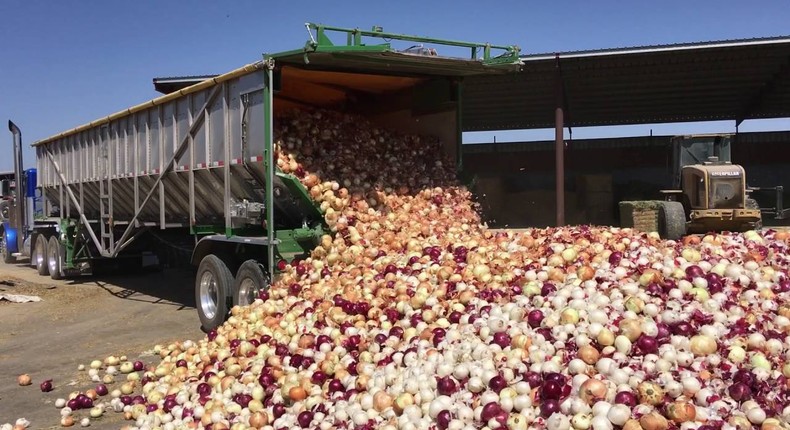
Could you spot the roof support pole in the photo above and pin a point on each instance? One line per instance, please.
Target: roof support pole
(559, 145)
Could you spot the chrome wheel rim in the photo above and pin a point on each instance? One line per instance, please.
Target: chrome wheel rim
(39, 257)
(53, 260)
(208, 295)
(247, 292)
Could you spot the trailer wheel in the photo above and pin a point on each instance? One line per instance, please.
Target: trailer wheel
(39, 257)
(55, 253)
(250, 279)
(671, 220)
(213, 284)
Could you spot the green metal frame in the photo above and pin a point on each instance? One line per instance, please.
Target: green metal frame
(269, 165)
(355, 43)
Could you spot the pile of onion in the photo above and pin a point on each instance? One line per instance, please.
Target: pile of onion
(413, 315)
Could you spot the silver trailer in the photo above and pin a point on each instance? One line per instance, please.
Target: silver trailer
(196, 166)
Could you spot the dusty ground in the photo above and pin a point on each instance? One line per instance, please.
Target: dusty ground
(78, 321)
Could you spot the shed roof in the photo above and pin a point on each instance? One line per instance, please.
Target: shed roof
(722, 80)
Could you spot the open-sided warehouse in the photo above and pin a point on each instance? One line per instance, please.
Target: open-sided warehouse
(731, 80)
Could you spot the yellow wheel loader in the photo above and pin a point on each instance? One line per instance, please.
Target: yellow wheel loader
(709, 192)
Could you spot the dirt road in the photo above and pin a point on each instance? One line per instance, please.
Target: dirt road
(80, 320)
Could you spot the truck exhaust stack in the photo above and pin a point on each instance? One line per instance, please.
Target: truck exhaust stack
(19, 201)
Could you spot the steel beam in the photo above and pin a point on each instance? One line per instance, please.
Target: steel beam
(559, 145)
(72, 197)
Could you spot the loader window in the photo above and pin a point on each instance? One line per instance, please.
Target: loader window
(725, 193)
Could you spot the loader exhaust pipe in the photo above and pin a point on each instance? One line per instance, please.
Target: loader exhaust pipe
(19, 198)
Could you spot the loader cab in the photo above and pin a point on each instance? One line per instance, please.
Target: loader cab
(697, 149)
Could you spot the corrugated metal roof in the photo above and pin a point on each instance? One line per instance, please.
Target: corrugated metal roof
(726, 80)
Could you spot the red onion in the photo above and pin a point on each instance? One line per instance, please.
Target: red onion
(446, 386)
(85, 401)
(535, 318)
(502, 339)
(740, 391)
(46, 386)
(551, 390)
(490, 410)
(555, 376)
(101, 390)
(336, 386)
(694, 271)
(626, 397)
(647, 344)
(74, 404)
(126, 400)
(548, 407)
(547, 289)
(615, 258)
(138, 366)
(443, 419)
(497, 383)
(534, 379)
(169, 405)
(682, 328)
(654, 289)
(278, 410)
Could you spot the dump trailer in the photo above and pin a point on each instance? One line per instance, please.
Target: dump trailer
(193, 170)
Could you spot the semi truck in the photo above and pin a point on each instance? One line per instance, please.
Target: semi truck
(195, 169)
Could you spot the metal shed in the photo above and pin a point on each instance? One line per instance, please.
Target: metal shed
(724, 80)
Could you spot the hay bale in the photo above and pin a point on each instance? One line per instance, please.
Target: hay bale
(640, 215)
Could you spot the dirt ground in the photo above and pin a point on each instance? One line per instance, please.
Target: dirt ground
(80, 320)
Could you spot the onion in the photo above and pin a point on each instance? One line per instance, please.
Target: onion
(549, 407)
(24, 380)
(551, 389)
(626, 398)
(490, 410)
(535, 318)
(740, 391)
(46, 386)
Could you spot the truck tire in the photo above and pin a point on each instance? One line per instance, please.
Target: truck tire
(4, 252)
(213, 284)
(250, 279)
(55, 254)
(39, 255)
(671, 221)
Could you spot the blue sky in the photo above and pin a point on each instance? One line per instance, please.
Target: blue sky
(64, 63)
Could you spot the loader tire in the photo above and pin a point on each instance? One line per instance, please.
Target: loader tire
(671, 221)
(752, 204)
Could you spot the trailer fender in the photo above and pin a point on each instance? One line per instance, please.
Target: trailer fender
(227, 249)
(9, 236)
